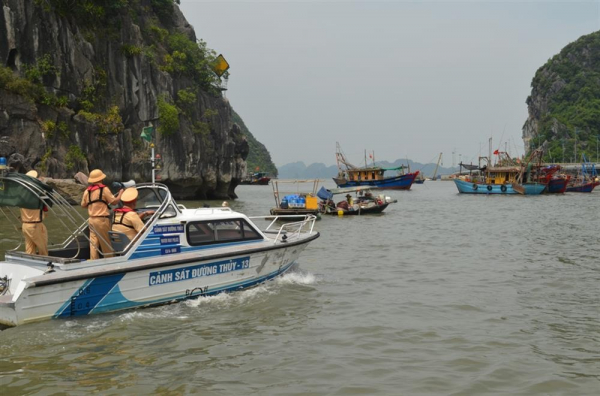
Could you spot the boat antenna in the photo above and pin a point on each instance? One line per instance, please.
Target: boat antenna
(148, 135)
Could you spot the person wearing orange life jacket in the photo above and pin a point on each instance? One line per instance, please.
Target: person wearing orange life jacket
(126, 219)
(34, 230)
(96, 199)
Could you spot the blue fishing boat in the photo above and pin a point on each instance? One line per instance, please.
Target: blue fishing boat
(371, 176)
(469, 187)
(510, 177)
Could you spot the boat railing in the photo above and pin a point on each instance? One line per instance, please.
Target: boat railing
(160, 209)
(71, 219)
(290, 230)
(57, 205)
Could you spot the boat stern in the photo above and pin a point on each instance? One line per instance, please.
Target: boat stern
(12, 283)
(8, 312)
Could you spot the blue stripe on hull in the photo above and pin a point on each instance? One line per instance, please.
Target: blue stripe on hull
(87, 297)
(472, 188)
(400, 182)
(104, 295)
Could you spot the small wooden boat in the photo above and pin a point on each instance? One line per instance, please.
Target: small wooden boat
(295, 203)
(364, 202)
(258, 178)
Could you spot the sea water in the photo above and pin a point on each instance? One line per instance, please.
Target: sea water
(441, 294)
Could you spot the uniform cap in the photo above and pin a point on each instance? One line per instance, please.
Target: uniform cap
(129, 195)
(96, 175)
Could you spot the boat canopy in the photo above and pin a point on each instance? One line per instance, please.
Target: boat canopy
(470, 167)
(23, 191)
(345, 190)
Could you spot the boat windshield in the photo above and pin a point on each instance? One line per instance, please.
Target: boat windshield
(152, 197)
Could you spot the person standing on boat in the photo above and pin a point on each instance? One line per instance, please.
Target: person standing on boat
(126, 219)
(96, 199)
(34, 230)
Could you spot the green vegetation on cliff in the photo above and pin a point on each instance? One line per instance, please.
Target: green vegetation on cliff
(565, 101)
(259, 158)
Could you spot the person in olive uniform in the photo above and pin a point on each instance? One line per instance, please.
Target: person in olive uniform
(126, 219)
(34, 230)
(96, 199)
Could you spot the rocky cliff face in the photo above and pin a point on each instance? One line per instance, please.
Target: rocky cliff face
(80, 79)
(564, 105)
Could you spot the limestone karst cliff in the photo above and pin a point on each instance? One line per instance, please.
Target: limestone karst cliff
(564, 105)
(79, 79)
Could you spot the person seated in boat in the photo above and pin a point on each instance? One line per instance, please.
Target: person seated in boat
(343, 205)
(126, 219)
(349, 199)
(34, 230)
(96, 199)
(327, 205)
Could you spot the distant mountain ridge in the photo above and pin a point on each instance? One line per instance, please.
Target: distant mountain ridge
(318, 170)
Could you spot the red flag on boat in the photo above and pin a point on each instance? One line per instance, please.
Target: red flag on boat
(497, 152)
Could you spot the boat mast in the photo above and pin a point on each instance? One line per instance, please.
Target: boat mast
(341, 159)
(436, 167)
(489, 161)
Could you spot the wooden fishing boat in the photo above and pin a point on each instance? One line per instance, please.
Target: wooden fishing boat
(556, 182)
(586, 178)
(371, 176)
(509, 177)
(180, 254)
(585, 187)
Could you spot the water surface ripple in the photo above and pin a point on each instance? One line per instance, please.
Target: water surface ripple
(443, 294)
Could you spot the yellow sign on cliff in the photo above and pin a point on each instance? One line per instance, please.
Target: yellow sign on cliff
(220, 65)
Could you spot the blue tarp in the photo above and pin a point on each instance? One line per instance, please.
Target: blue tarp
(324, 194)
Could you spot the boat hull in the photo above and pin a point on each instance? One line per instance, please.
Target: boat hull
(586, 188)
(149, 283)
(361, 211)
(263, 181)
(507, 189)
(401, 182)
(557, 186)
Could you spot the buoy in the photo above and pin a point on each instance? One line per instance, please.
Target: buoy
(340, 213)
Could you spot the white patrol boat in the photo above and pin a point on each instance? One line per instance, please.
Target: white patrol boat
(180, 254)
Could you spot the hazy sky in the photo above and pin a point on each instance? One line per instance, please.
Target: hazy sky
(402, 78)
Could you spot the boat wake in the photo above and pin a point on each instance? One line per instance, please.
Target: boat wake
(228, 300)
